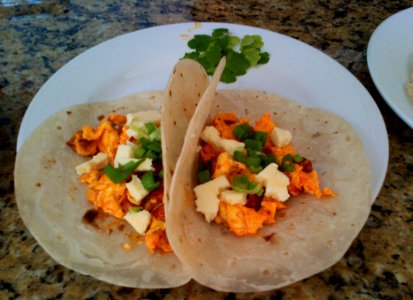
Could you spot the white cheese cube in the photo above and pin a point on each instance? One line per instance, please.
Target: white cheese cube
(275, 182)
(139, 220)
(136, 189)
(146, 166)
(124, 160)
(211, 136)
(123, 151)
(207, 201)
(131, 133)
(280, 137)
(136, 130)
(152, 116)
(233, 197)
(134, 146)
(99, 161)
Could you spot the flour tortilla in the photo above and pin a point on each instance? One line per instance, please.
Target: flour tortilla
(52, 203)
(185, 88)
(313, 234)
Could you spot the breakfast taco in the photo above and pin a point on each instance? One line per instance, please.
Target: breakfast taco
(266, 192)
(89, 184)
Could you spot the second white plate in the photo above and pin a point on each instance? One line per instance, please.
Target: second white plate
(390, 61)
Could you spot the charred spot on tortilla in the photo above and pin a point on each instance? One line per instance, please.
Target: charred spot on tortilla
(68, 112)
(268, 237)
(89, 218)
(100, 117)
(59, 127)
(266, 272)
(170, 92)
(38, 184)
(48, 163)
(181, 74)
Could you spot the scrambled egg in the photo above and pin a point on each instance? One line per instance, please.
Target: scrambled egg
(114, 198)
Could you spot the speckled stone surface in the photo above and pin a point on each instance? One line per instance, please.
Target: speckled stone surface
(38, 37)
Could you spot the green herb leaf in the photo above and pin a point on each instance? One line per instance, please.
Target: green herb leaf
(287, 163)
(241, 183)
(150, 127)
(140, 153)
(220, 32)
(155, 135)
(210, 48)
(253, 144)
(264, 58)
(150, 147)
(297, 158)
(237, 63)
(227, 76)
(191, 55)
(135, 209)
(148, 181)
(251, 41)
(213, 54)
(252, 55)
(261, 136)
(120, 174)
(204, 176)
(270, 158)
(200, 42)
(254, 164)
(240, 156)
(243, 132)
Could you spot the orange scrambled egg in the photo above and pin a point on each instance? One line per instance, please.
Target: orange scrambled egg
(258, 211)
(114, 198)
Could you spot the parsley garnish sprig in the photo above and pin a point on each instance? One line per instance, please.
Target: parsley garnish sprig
(241, 54)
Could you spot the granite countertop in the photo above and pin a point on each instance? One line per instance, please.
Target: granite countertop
(38, 37)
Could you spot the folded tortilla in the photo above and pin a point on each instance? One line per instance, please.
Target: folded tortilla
(52, 201)
(312, 235)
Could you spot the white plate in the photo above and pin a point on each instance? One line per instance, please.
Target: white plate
(390, 61)
(143, 60)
